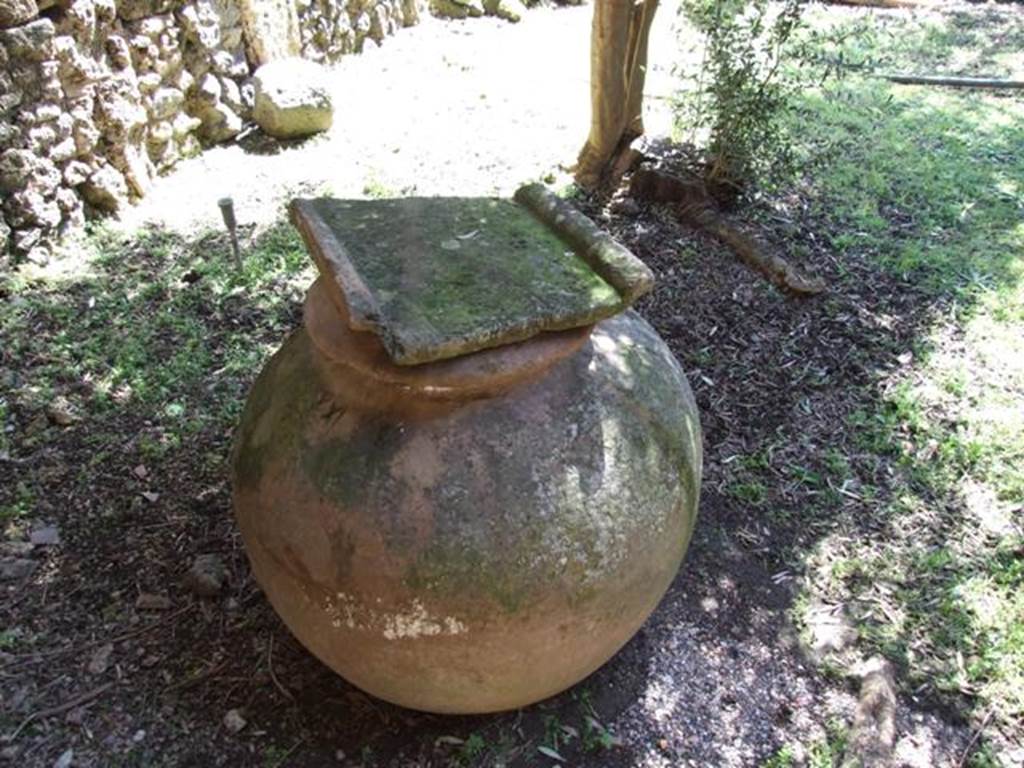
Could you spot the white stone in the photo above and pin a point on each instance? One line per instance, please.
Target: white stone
(234, 721)
(68, 201)
(46, 113)
(148, 83)
(86, 136)
(76, 173)
(185, 124)
(167, 102)
(510, 10)
(231, 94)
(292, 99)
(27, 239)
(209, 89)
(220, 123)
(160, 133)
(63, 151)
(41, 138)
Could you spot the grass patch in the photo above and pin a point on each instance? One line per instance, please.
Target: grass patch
(929, 183)
(150, 322)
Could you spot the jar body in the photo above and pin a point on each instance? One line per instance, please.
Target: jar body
(477, 555)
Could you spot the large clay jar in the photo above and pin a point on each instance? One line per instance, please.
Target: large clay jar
(471, 535)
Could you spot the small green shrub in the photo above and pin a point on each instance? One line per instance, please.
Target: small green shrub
(751, 68)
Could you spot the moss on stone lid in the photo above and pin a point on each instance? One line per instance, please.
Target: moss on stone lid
(435, 278)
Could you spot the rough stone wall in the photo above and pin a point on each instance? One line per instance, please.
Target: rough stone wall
(331, 29)
(99, 96)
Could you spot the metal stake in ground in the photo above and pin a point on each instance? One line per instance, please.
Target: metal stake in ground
(227, 212)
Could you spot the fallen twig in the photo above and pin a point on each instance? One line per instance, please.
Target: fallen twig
(270, 666)
(51, 711)
(974, 740)
(954, 82)
(885, 3)
(697, 208)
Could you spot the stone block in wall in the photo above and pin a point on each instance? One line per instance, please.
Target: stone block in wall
(105, 190)
(456, 9)
(219, 123)
(10, 135)
(160, 133)
(271, 29)
(86, 135)
(45, 113)
(133, 10)
(165, 103)
(136, 167)
(30, 208)
(71, 209)
(200, 24)
(24, 240)
(17, 166)
(118, 54)
(327, 29)
(149, 83)
(10, 95)
(119, 114)
(410, 12)
(106, 13)
(382, 24)
(80, 21)
(41, 138)
(64, 151)
(231, 95)
(360, 30)
(31, 42)
(510, 10)
(229, 65)
(76, 172)
(184, 125)
(229, 18)
(16, 12)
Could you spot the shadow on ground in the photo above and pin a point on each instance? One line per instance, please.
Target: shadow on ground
(150, 345)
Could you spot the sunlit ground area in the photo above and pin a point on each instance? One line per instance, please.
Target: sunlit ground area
(864, 468)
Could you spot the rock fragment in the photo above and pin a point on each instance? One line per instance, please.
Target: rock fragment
(148, 601)
(291, 99)
(45, 536)
(207, 575)
(234, 721)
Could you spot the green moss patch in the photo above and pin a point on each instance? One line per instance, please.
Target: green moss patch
(441, 277)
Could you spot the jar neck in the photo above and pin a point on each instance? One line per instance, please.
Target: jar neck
(356, 364)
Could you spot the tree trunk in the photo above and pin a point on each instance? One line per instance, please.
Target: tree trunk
(618, 63)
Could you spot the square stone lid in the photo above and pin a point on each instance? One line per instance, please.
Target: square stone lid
(435, 278)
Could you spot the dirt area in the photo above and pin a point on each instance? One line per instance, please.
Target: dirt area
(103, 671)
